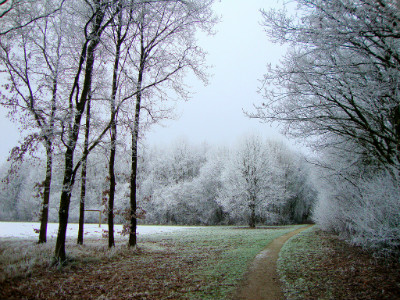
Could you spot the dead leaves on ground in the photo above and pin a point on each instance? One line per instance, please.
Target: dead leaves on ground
(341, 271)
(147, 275)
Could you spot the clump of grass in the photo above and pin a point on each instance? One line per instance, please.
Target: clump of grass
(19, 257)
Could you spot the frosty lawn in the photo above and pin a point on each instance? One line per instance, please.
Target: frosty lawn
(27, 229)
(195, 263)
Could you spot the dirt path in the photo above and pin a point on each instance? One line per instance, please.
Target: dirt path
(262, 281)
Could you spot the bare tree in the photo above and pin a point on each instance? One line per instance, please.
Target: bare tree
(33, 71)
(341, 77)
(165, 50)
(98, 20)
(26, 11)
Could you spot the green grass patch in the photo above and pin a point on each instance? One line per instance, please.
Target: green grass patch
(224, 253)
(299, 267)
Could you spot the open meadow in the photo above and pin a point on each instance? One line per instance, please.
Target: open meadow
(173, 262)
(180, 263)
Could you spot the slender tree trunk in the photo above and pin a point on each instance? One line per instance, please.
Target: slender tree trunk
(133, 179)
(69, 177)
(135, 136)
(113, 128)
(133, 201)
(111, 242)
(83, 176)
(252, 219)
(44, 214)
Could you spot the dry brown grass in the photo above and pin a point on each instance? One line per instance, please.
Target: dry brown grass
(204, 263)
(318, 265)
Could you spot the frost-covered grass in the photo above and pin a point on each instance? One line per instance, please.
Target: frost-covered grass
(29, 229)
(20, 253)
(296, 264)
(19, 257)
(319, 265)
(220, 255)
(225, 253)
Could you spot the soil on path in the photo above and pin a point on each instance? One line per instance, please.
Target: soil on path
(261, 281)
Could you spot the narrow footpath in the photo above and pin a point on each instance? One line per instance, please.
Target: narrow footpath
(261, 281)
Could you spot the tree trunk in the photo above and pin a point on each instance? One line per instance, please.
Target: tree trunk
(111, 242)
(135, 136)
(133, 200)
(252, 219)
(133, 205)
(44, 214)
(83, 176)
(119, 41)
(69, 177)
(60, 254)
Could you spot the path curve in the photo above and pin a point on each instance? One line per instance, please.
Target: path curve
(261, 282)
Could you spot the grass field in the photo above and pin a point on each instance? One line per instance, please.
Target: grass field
(193, 263)
(225, 254)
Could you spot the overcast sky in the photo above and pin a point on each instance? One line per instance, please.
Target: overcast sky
(239, 53)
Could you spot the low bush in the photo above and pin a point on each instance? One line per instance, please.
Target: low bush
(366, 213)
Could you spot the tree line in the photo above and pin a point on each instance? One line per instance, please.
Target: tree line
(255, 181)
(75, 74)
(338, 88)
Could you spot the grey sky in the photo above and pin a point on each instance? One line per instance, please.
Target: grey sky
(9, 135)
(239, 53)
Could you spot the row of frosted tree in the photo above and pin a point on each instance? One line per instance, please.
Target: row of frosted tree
(82, 75)
(338, 87)
(253, 182)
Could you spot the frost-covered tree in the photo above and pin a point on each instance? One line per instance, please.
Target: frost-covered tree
(31, 61)
(247, 182)
(338, 87)
(94, 19)
(207, 186)
(166, 49)
(26, 11)
(266, 181)
(340, 77)
(358, 201)
(190, 197)
(21, 190)
(168, 184)
(11, 187)
(187, 184)
(293, 176)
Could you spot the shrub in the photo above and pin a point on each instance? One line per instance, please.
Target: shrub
(367, 214)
